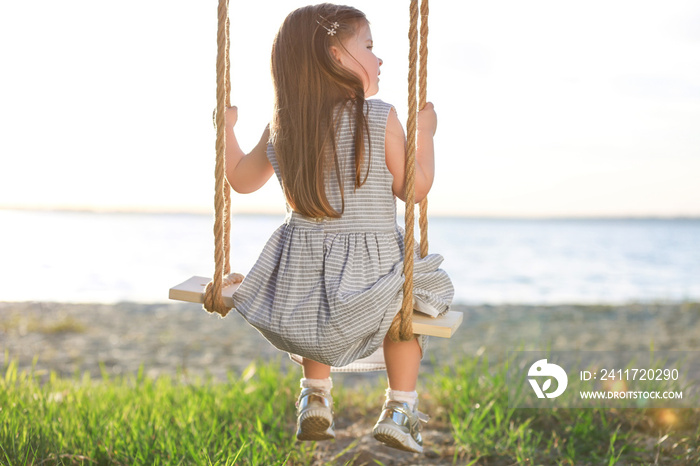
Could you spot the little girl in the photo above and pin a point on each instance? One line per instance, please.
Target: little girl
(329, 281)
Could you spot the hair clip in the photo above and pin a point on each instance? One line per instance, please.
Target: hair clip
(331, 30)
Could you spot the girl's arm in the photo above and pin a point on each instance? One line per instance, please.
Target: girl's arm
(395, 152)
(245, 173)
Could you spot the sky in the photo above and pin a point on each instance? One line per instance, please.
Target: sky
(545, 108)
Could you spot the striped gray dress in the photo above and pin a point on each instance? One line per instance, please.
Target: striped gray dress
(327, 289)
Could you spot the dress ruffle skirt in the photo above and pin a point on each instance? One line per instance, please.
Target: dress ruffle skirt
(331, 296)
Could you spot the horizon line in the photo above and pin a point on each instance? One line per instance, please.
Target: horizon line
(245, 212)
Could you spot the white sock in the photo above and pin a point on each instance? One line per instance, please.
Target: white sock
(319, 384)
(403, 397)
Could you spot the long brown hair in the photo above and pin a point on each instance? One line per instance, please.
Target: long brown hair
(312, 90)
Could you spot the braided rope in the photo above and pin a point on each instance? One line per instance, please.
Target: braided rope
(401, 327)
(422, 98)
(227, 189)
(213, 301)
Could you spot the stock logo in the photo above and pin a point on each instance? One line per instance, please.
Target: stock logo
(542, 368)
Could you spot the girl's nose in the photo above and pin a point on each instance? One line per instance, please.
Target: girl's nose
(381, 62)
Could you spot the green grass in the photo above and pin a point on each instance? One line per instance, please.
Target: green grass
(250, 420)
(474, 400)
(62, 324)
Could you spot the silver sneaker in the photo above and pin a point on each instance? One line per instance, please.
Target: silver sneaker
(399, 427)
(315, 415)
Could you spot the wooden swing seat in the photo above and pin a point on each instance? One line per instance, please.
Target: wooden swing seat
(192, 291)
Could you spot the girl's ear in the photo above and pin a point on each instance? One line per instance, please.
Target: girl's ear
(337, 54)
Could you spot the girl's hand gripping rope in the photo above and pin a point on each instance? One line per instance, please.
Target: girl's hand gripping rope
(427, 119)
(231, 116)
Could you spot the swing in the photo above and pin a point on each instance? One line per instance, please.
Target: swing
(215, 294)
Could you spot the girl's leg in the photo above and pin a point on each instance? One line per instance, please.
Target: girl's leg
(399, 424)
(402, 364)
(315, 404)
(315, 370)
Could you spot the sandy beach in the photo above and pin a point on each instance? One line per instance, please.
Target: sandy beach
(171, 337)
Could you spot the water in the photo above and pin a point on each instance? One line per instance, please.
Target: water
(93, 257)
